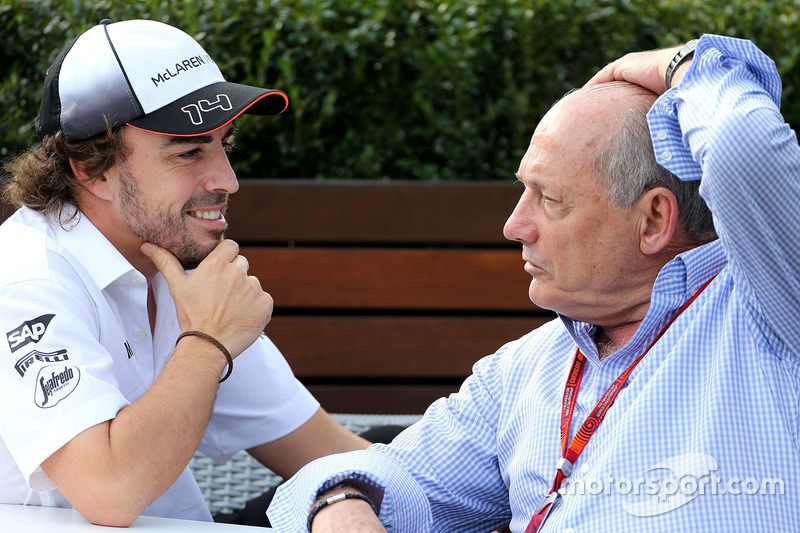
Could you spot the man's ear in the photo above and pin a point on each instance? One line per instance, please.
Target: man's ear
(660, 219)
(96, 185)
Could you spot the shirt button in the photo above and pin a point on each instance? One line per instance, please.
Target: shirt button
(661, 135)
(569, 530)
(142, 334)
(666, 156)
(134, 280)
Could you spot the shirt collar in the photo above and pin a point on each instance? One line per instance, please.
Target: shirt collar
(677, 281)
(104, 263)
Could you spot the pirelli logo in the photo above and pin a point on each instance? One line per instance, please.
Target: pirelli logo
(25, 363)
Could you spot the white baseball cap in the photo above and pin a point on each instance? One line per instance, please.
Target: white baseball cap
(145, 74)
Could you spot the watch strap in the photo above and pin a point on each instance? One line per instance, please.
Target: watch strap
(684, 54)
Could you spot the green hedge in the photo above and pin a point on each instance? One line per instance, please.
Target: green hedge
(412, 89)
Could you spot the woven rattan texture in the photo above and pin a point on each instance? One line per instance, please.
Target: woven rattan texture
(226, 487)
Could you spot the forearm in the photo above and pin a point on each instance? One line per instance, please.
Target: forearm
(394, 492)
(112, 471)
(420, 470)
(321, 435)
(341, 510)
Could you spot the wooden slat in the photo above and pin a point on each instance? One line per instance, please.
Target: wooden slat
(379, 399)
(487, 280)
(399, 347)
(266, 211)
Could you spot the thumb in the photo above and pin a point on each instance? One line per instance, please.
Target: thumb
(165, 262)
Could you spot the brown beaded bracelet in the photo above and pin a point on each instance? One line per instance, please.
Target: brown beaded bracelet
(213, 341)
(337, 498)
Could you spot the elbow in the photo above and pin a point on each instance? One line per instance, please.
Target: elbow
(112, 522)
(110, 511)
(110, 517)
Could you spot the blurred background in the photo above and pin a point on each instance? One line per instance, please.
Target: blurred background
(433, 90)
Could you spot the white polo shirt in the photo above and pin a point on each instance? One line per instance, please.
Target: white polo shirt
(77, 348)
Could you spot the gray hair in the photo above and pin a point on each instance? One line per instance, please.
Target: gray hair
(628, 167)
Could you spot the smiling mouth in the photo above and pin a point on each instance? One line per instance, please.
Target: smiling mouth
(206, 215)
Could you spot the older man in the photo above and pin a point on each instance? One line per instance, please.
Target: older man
(664, 397)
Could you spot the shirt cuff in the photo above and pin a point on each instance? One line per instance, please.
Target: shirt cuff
(715, 58)
(404, 507)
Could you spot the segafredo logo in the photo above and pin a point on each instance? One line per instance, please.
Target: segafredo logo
(195, 111)
(28, 332)
(54, 383)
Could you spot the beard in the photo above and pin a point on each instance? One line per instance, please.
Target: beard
(166, 229)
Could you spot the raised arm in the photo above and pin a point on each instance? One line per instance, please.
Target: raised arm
(113, 470)
(722, 124)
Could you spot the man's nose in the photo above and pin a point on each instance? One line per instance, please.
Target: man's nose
(222, 178)
(520, 225)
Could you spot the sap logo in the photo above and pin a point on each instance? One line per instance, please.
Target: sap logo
(49, 357)
(53, 384)
(204, 106)
(28, 332)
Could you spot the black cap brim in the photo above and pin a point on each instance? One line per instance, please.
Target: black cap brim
(210, 108)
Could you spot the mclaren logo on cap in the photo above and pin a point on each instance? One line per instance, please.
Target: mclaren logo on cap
(195, 111)
(182, 66)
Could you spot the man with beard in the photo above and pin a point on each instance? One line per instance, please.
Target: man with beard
(118, 364)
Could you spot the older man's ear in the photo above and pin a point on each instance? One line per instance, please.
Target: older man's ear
(660, 228)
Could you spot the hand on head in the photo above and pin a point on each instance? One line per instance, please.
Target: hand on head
(218, 297)
(642, 68)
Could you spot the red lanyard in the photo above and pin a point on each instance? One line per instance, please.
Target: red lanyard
(569, 454)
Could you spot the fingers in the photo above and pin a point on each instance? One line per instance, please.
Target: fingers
(226, 250)
(242, 262)
(605, 75)
(642, 68)
(629, 68)
(218, 297)
(165, 262)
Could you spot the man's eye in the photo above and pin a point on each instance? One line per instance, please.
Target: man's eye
(191, 154)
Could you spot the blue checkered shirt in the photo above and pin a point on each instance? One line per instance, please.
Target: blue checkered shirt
(704, 435)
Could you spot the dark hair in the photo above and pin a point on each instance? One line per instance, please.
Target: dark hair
(629, 168)
(42, 178)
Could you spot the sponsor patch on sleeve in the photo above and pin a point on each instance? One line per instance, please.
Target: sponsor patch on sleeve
(42, 357)
(54, 383)
(28, 332)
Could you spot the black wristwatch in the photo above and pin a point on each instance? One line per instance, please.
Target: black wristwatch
(684, 54)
